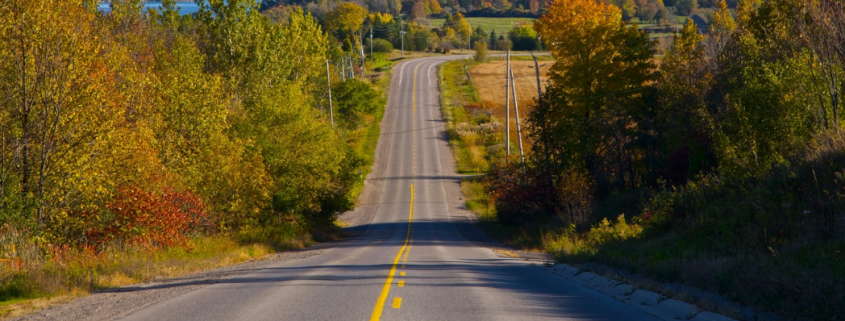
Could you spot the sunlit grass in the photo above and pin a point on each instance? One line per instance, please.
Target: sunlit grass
(56, 280)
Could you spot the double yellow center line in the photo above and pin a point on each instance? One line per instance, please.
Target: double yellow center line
(385, 291)
(406, 247)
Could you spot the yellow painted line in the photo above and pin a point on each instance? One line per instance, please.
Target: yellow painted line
(402, 273)
(401, 283)
(385, 291)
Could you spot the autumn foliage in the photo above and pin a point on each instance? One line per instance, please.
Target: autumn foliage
(520, 199)
(727, 148)
(151, 220)
(146, 129)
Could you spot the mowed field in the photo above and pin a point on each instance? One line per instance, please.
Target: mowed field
(487, 24)
(489, 81)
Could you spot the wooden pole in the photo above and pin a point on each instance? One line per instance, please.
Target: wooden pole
(329, 80)
(518, 132)
(507, 108)
(537, 72)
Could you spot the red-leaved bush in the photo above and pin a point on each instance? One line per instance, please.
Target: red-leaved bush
(150, 220)
(520, 199)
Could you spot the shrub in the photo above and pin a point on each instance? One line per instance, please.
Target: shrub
(382, 46)
(575, 194)
(151, 220)
(520, 199)
(480, 50)
(504, 44)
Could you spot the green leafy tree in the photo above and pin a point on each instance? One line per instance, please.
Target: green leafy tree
(421, 39)
(686, 7)
(354, 100)
(382, 46)
(269, 67)
(524, 37)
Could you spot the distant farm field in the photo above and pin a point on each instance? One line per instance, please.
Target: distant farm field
(489, 82)
(498, 24)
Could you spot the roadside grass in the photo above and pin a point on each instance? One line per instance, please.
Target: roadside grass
(475, 153)
(68, 274)
(471, 128)
(774, 242)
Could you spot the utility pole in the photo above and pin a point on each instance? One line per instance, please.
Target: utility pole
(507, 109)
(343, 68)
(329, 81)
(518, 132)
(363, 58)
(537, 72)
(402, 36)
(372, 58)
(469, 41)
(351, 60)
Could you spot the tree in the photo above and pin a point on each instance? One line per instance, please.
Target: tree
(648, 10)
(744, 11)
(432, 7)
(345, 20)
(418, 11)
(478, 34)
(354, 100)
(721, 28)
(382, 46)
(681, 119)
(459, 24)
(60, 108)
(524, 38)
(268, 66)
(480, 51)
(421, 39)
(686, 7)
(597, 88)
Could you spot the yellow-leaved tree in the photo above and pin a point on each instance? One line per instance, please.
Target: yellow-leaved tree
(597, 88)
(60, 112)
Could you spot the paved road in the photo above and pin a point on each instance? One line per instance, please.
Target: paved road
(411, 260)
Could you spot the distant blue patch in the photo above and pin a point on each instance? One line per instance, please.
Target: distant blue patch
(184, 7)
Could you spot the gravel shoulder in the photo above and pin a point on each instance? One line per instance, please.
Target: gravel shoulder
(111, 304)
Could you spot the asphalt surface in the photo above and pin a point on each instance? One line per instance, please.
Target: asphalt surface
(407, 260)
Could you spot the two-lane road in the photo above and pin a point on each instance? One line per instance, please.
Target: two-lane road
(411, 260)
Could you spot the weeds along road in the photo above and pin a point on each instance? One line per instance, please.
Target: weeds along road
(410, 258)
